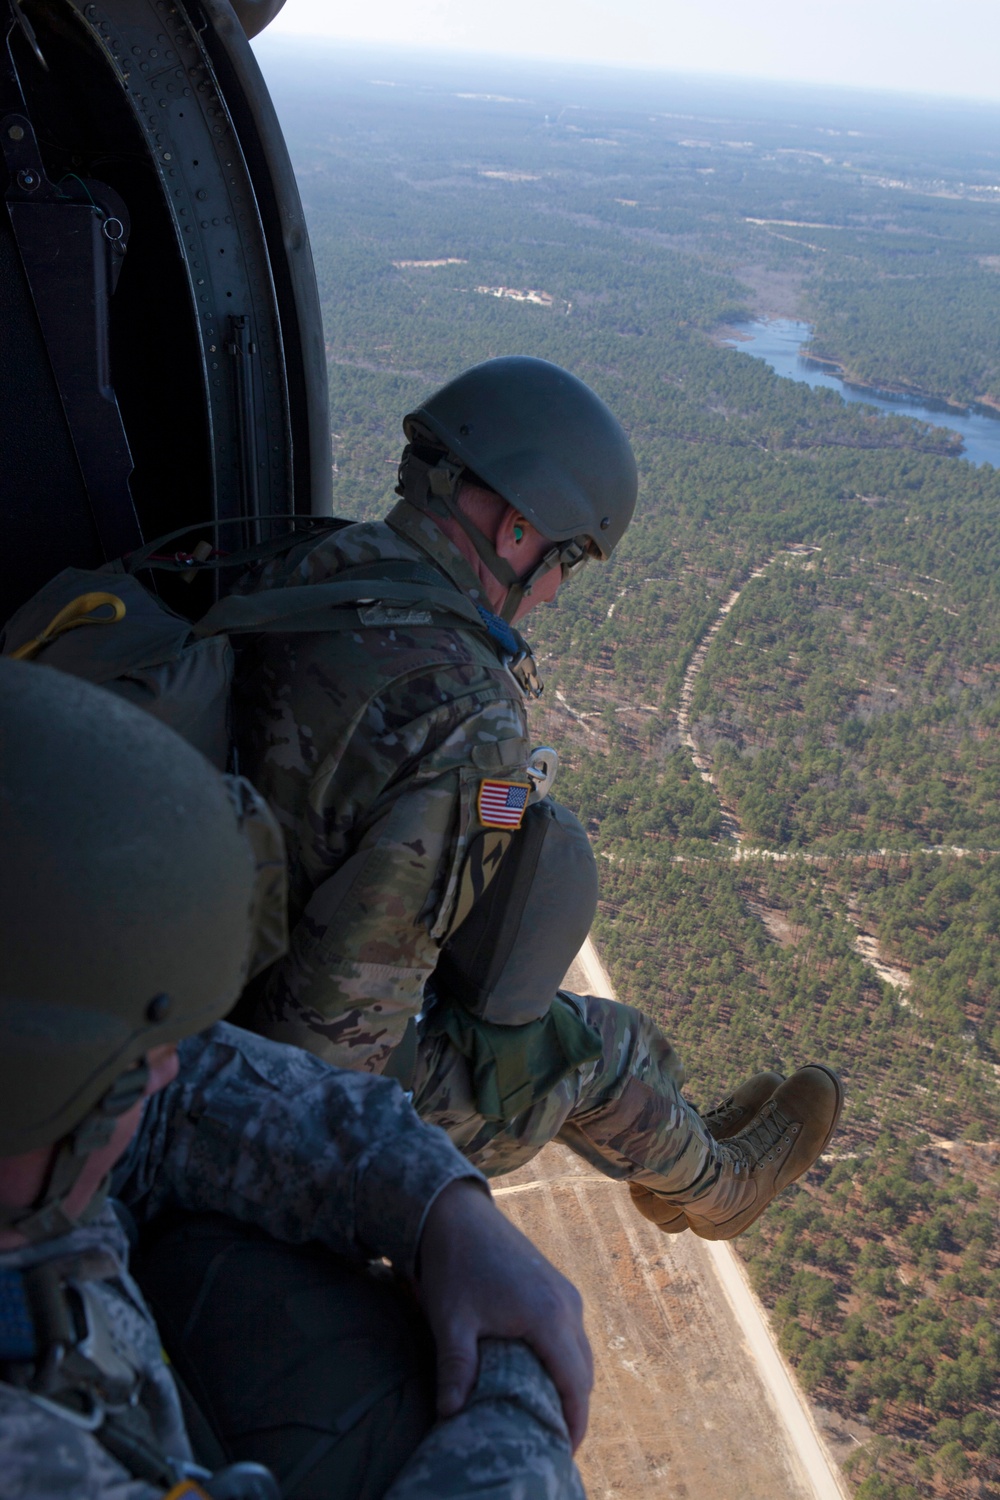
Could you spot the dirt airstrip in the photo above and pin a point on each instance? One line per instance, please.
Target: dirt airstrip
(680, 1409)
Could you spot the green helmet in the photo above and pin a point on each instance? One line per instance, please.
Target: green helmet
(542, 440)
(140, 889)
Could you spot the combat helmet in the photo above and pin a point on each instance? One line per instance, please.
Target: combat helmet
(140, 889)
(541, 439)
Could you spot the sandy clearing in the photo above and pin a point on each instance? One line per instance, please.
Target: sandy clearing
(788, 1400)
(692, 1397)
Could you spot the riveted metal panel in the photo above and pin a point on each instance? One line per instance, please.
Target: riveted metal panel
(216, 338)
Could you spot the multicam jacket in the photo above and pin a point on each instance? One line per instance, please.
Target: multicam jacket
(374, 746)
(270, 1136)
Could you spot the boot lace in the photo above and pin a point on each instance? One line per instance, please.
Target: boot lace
(723, 1114)
(768, 1137)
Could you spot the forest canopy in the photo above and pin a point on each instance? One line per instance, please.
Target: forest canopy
(846, 703)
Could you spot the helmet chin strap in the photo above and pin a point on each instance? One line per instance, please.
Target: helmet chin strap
(433, 486)
(46, 1218)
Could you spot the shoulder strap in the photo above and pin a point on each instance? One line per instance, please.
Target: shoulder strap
(395, 583)
(310, 607)
(152, 556)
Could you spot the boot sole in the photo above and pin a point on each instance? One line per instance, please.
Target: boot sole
(705, 1230)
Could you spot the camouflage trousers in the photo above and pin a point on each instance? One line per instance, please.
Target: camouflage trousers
(509, 1442)
(325, 1372)
(623, 1112)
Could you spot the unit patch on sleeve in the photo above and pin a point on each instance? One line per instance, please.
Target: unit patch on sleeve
(502, 803)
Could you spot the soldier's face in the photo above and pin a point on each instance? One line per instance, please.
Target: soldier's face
(23, 1177)
(162, 1064)
(520, 544)
(543, 589)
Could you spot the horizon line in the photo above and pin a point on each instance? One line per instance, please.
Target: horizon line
(754, 81)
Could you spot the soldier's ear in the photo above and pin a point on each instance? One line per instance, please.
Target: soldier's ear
(520, 526)
(513, 536)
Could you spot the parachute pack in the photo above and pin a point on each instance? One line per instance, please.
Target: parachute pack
(107, 627)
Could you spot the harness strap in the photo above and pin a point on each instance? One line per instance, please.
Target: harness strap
(59, 1352)
(183, 562)
(431, 484)
(313, 609)
(129, 1437)
(307, 607)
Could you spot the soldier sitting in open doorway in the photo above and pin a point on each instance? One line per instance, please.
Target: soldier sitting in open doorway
(437, 895)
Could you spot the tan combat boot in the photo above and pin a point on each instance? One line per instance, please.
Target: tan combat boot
(782, 1141)
(728, 1117)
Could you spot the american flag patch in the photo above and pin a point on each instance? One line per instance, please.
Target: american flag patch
(502, 803)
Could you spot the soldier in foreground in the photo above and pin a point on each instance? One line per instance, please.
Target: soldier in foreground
(140, 888)
(396, 757)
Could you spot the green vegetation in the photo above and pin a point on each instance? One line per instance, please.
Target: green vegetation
(849, 703)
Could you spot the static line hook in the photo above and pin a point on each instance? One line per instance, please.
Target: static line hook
(543, 763)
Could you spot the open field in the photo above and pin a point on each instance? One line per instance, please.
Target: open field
(679, 1410)
(691, 1398)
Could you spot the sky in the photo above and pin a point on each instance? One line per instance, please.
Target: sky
(911, 46)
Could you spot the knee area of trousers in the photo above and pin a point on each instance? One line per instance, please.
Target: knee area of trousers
(510, 1372)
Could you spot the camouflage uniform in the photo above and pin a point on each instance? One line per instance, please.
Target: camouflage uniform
(273, 1138)
(371, 747)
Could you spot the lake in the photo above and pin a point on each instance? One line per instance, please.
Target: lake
(777, 341)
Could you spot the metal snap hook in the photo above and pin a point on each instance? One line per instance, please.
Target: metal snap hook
(543, 763)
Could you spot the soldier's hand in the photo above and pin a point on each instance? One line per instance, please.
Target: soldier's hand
(479, 1277)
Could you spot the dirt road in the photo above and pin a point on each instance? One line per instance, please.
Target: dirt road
(692, 1400)
(788, 1401)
